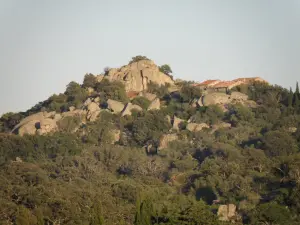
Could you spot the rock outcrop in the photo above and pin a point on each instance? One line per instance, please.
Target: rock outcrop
(115, 106)
(42, 122)
(129, 106)
(155, 105)
(93, 111)
(116, 134)
(147, 95)
(227, 212)
(28, 128)
(215, 98)
(195, 127)
(46, 126)
(166, 139)
(176, 122)
(238, 96)
(137, 75)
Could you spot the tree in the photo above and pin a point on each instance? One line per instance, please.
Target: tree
(76, 94)
(188, 93)
(89, 80)
(144, 211)
(271, 213)
(138, 58)
(112, 90)
(297, 89)
(290, 98)
(278, 143)
(96, 214)
(166, 69)
(141, 101)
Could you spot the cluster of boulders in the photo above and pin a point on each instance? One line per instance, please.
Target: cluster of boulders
(190, 126)
(46, 122)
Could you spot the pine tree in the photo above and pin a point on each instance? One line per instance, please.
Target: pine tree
(290, 98)
(297, 89)
(144, 211)
(297, 98)
(96, 214)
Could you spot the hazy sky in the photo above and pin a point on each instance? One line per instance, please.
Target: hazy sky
(45, 44)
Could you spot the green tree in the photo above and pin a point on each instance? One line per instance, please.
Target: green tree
(144, 212)
(89, 80)
(96, 214)
(112, 90)
(149, 127)
(76, 94)
(141, 101)
(278, 143)
(271, 213)
(138, 58)
(189, 93)
(166, 69)
(290, 98)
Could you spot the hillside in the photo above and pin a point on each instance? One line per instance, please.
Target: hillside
(135, 146)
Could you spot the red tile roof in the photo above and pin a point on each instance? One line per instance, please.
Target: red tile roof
(208, 82)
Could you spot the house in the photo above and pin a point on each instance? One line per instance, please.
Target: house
(224, 86)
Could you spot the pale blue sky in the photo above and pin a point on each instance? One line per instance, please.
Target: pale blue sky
(45, 44)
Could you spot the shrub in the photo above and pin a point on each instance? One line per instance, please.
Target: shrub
(138, 58)
(112, 90)
(166, 69)
(141, 101)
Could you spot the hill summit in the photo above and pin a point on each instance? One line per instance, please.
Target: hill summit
(137, 75)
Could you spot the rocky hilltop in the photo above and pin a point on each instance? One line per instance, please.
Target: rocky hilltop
(137, 75)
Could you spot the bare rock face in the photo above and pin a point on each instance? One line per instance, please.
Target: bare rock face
(87, 102)
(176, 122)
(97, 99)
(50, 114)
(34, 117)
(227, 212)
(90, 90)
(238, 96)
(136, 76)
(148, 95)
(129, 106)
(116, 134)
(195, 127)
(166, 139)
(76, 112)
(40, 126)
(115, 106)
(99, 78)
(93, 111)
(71, 108)
(292, 129)
(155, 105)
(46, 126)
(28, 128)
(216, 98)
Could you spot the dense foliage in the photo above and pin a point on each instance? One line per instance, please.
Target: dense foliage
(81, 177)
